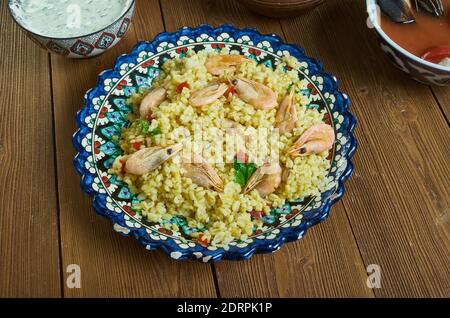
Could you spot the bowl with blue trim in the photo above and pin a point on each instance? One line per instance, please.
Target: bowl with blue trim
(105, 112)
(417, 68)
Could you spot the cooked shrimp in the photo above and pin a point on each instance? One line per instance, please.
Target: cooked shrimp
(316, 139)
(149, 159)
(201, 173)
(208, 94)
(255, 94)
(152, 100)
(287, 114)
(219, 64)
(265, 180)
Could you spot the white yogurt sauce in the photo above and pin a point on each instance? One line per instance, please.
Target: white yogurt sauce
(67, 18)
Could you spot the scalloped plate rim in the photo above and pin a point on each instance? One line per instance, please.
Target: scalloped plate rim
(258, 246)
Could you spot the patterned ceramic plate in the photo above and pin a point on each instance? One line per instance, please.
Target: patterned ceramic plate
(105, 114)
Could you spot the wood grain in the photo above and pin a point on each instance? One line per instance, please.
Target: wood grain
(395, 212)
(111, 266)
(398, 201)
(326, 262)
(29, 251)
(443, 97)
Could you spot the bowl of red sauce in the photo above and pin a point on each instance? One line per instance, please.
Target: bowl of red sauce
(415, 35)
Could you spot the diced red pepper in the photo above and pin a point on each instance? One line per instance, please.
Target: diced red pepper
(136, 145)
(183, 85)
(437, 54)
(231, 90)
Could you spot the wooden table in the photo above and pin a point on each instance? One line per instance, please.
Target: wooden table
(395, 212)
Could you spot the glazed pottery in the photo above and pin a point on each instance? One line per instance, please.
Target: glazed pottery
(88, 45)
(106, 109)
(417, 68)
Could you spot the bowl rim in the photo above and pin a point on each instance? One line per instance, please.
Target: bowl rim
(169, 246)
(132, 3)
(374, 20)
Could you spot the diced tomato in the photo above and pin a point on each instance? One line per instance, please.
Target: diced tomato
(137, 145)
(437, 54)
(231, 90)
(183, 85)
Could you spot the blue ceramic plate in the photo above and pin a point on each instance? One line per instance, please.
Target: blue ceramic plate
(105, 114)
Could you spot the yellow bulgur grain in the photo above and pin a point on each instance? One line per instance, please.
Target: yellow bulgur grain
(224, 216)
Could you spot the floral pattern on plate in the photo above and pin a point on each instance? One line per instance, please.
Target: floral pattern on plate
(105, 111)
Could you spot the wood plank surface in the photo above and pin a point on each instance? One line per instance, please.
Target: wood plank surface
(443, 97)
(29, 251)
(324, 263)
(395, 212)
(111, 266)
(399, 197)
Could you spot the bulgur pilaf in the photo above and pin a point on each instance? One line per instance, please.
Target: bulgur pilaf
(205, 94)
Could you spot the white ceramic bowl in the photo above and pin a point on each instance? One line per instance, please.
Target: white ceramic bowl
(83, 46)
(419, 69)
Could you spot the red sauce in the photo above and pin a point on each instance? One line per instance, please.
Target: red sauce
(427, 32)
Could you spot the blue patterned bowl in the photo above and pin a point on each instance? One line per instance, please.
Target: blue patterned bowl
(418, 69)
(84, 46)
(106, 109)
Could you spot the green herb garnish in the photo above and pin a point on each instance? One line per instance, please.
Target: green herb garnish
(243, 172)
(156, 131)
(144, 127)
